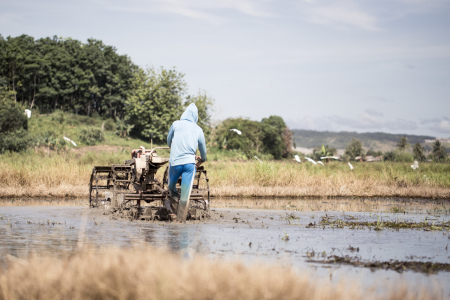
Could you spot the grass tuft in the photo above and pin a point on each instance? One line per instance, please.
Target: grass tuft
(158, 274)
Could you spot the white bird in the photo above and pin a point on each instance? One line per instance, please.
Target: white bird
(69, 140)
(311, 160)
(415, 165)
(325, 157)
(319, 162)
(28, 113)
(350, 165)
(236, 130)
(297, 158)
(256, 157)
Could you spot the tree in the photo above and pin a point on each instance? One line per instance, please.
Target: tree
(272, 130)
(13, 123)
(438, 151)
(63, 73)
(287, 137)
(250, 141)
(372, 152)
(419, 152)
(122, 128)
(354, 149)
(155, 102)
(204, 104)
(402, 144)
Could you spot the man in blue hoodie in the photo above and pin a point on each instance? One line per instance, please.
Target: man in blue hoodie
(183, 139)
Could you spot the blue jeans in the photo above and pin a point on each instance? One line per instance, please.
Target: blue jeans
(187, 173)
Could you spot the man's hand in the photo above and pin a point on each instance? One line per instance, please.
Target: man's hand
(199, 161)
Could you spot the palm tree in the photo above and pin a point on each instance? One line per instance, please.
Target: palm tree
(403, 144)
(122, 128)
(419, 152)
(439, 152)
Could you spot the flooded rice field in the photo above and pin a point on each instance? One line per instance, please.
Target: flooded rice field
(350, 239)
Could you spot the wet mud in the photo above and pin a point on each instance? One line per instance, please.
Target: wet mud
(398, 266)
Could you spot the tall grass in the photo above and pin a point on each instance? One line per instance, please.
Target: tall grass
(290, 179)
(66, 174)
(63, 174)
(158, 274)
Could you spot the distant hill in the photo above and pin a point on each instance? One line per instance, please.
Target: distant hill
(339, 140)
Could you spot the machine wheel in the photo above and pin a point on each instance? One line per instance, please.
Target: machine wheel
(100, 180)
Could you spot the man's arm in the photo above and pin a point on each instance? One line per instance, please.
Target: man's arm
(170, 136)
(202, 146)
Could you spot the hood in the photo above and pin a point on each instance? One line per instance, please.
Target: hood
(190, 114)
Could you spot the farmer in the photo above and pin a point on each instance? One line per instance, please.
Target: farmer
(183, 139)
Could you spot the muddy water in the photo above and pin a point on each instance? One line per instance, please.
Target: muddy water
(285, 232)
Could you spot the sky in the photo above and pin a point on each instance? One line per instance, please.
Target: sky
(335, 65)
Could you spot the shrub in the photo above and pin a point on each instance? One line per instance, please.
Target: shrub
(15, 141)
(58, 117)
(109, 125)
(91, 136)
(398, 156)
(13, 126)
(52, 140)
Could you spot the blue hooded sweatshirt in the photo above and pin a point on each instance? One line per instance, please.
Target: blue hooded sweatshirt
(184, 137)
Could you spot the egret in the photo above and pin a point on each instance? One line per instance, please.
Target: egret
(256, 157)
(325, 157)
(297, 158)
(319, 162)
(236, 130)
(350, 165)
(415, 165)
(311, 160)
(69, 140)
(28, 113)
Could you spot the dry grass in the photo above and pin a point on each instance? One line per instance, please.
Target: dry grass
(158, 274)
(67, 175)
(285, 179)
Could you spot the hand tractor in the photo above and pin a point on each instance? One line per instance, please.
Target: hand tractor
(132, 190)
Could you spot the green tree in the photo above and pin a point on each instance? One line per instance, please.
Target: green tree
(273, 141)
(155, 102)
(122, 128)
(204, 104)
(249, 141)
(438, 152)
(372, 152)
(63, 73)
(354, 149)
(419, 152)
(402, 144)
(13, 123)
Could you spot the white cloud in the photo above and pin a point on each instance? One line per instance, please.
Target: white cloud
(364, 121)
(378, 99)
(310, 123)
(344, 13)
(400, 124)
(373, 113)
(196, 9)
(438, 125)
(369, 120)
